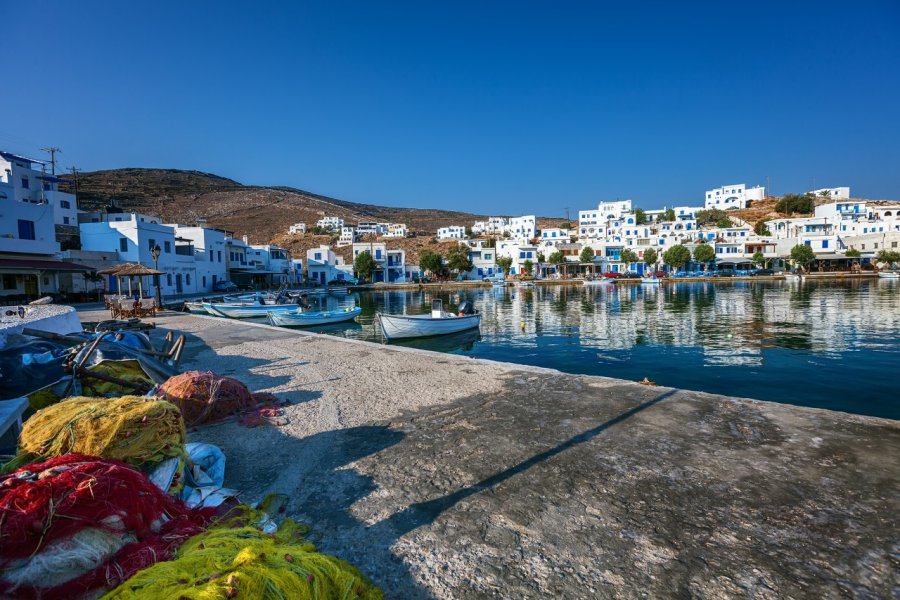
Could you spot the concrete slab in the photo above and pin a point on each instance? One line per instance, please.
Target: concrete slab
(447, 477)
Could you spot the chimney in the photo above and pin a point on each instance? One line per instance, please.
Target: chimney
(246, 241)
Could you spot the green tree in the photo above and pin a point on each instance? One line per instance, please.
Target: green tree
(628, 256)
(557, 258)
(670, 214)
(651, 257)
(711, 216)
(724, 223)
(458, 259)
(677, 256)
(528, 266)
(803, 255)
(640, 216)
(852, 253)
(888, 256)
(565, 225)
(704, 253)
(505, 264)
(759, 259)
(761, 228)
(431, 262)
(587, 254)
(468, 232)
(796, 203)
(541, 258)
(364, 265)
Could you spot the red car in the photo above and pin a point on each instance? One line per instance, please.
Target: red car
(660, 274)
(611, 274)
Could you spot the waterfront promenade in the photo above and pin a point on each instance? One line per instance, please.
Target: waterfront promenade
(443, 476)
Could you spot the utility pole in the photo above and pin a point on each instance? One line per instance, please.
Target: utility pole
(567, 214)
(52, 150)
(43, 177)
(768, 187)
(75, 171)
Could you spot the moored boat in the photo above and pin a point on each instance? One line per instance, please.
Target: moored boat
(245, 311)
(597, 282)
(438, 322)
(650, 280)
(307, 319)
(888, 275)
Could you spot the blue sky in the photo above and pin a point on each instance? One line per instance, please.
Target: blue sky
(490, 107)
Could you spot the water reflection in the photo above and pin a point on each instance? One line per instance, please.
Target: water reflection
(831, 344)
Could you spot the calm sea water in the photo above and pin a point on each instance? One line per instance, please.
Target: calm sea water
(832, 345)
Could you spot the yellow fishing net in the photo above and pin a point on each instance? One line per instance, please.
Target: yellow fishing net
(132, 429)
(234, 560)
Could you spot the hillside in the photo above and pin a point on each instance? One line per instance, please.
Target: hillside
(262, 213)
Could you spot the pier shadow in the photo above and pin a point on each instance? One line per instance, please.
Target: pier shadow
(327, 477)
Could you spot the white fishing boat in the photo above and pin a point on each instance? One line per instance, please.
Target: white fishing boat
(650, 280)
(195, 308)
(597, 282)
(438, 322)
(307, 319)
(245, 311)
(526, 284)
(498, 283)
(888, 275)
(792, 277)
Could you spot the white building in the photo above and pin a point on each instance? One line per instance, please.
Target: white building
(523, 228)
(833, 193)
(371, 228)
(348, 236)
(323, 265)
(297, 228)
(396, 230)
(519, 252)
(614, 209)
(493, 226)
(390, 263)
(330, 223)
(484, 260)
(23, 182)
(207, 246)
(453, 232)
(271, 265)
(733, 196)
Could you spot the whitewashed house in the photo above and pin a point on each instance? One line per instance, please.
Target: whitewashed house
(556, 234)
(453, 232)
(330, 223)
(733, 196)
(396, 230)
(207, 247)
(348, 236)
(834, 193)
(27, 180)
(297, 228)
(323, 265)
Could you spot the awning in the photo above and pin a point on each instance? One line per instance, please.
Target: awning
(832, 257)
(733, 261)
(41, 265)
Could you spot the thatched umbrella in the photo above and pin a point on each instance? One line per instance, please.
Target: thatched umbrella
(130, 270)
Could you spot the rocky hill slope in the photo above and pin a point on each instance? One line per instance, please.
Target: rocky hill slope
(262, 213)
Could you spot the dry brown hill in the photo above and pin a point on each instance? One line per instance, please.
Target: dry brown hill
(262, 213)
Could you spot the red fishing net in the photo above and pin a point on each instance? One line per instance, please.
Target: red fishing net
(204, 396)
(49, 508)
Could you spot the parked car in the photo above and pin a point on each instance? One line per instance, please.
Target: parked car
(724, 273)
(612, 275)
(764, 272)
(418, 279)
(631, 275)
(225, 286)
(659, 274)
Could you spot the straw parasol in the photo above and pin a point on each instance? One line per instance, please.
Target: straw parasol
(130, 270)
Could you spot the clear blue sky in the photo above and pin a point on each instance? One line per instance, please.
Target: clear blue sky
(490, 107)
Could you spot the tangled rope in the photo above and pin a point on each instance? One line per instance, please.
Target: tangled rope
(204, 396)
(236, 560)
(76, 524)
(131, 429)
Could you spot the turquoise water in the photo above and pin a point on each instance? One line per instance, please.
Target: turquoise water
(832, 345)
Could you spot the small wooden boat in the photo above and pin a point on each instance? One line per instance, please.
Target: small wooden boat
(307, 319)
(888, 275)
(438, 322)
(650, 280)
(245, 311)
(195, 308)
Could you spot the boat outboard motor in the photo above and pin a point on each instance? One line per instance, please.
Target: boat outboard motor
(466, 308)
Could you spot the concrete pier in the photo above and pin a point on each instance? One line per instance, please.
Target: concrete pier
(446, 477)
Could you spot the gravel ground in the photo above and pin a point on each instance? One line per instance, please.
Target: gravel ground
(446, 477)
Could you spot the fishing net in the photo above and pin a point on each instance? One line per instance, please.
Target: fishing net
(132, 429)
(236, 560)
(75, 524)
(204, 397)
(129, 372)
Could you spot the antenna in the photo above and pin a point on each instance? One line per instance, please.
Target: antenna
(52, 150)
(567, 213)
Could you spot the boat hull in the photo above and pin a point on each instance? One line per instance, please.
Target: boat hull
(650, 281)
(397, 327)
(308, 319)
(246, 311)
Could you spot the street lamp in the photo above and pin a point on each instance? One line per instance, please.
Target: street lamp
(154, 252)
